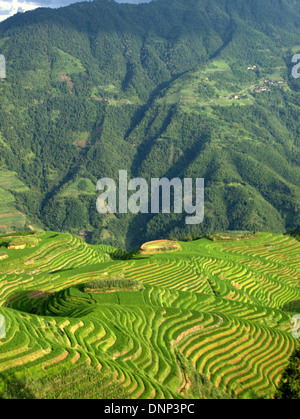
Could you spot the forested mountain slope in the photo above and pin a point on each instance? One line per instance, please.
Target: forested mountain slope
(181, 88)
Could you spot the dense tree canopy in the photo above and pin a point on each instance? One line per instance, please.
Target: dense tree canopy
(97, 87)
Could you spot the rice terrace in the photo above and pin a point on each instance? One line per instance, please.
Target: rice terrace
(209, 320)
(158, 246)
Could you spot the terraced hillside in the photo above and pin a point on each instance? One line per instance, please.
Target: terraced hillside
(167, 89)
(210, 320)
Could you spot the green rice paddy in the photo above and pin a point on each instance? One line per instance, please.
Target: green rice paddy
(213, 309)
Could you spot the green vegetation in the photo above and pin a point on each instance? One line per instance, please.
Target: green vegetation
(208, 321)
(173, 88)
(159, 246)
(111, 284)
(78, 382)
(296, 233)
(3, 255)
(233, 235)
(10, 215)
(165, 89)
(290, 384)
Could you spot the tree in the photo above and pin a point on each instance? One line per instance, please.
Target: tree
(289, 387)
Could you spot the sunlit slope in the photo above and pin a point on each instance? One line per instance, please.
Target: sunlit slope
(214, 309)
(170, 89)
